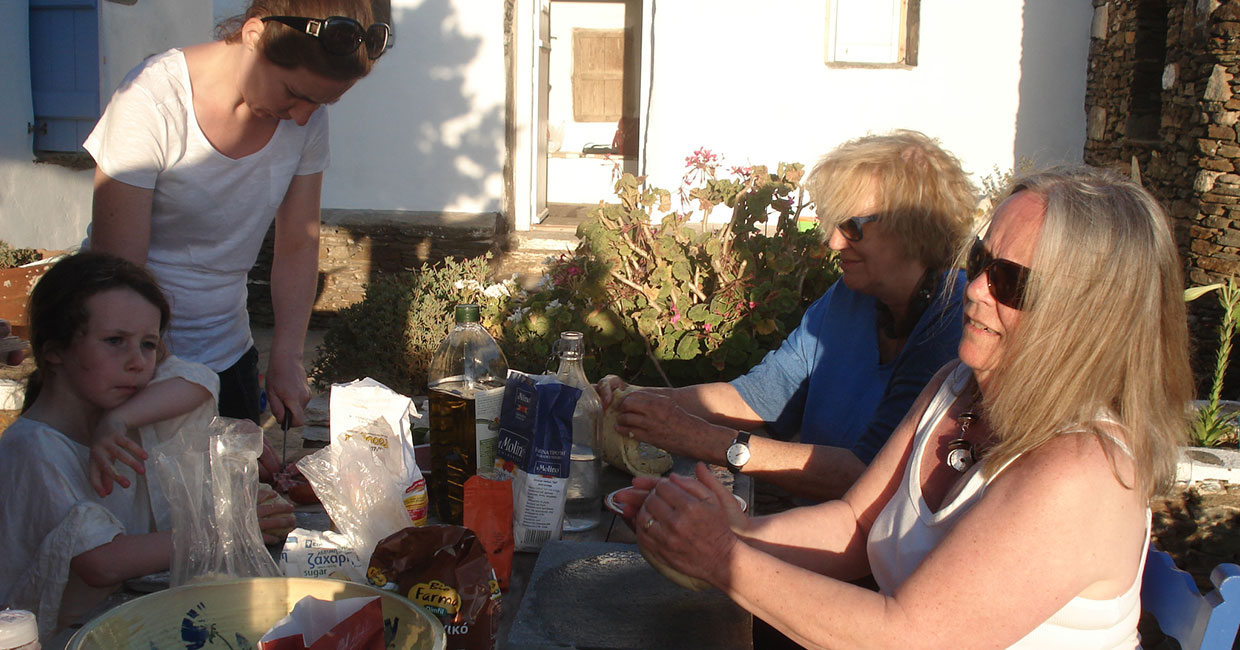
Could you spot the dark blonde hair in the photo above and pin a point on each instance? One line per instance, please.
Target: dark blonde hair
(283, 46)
(1103, 339)
(924, 197)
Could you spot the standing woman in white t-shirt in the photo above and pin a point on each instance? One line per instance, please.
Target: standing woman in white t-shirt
(200, 148)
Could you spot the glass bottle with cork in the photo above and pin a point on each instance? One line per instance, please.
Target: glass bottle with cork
(465, 383)
(582, 510)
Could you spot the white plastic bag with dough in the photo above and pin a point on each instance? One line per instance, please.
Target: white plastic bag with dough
(367, 412)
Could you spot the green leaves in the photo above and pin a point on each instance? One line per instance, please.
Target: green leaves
(1193, 293)
(1211, 427)
(688, 303)
(701, 313)
(688, 347)
(660, 297)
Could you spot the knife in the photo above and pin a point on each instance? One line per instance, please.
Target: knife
(288, 419)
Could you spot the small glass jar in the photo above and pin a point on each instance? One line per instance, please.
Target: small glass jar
(18, 630)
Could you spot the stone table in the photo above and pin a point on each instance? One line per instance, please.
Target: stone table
(594, 590)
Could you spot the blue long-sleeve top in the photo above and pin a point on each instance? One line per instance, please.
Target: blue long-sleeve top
(826, 382)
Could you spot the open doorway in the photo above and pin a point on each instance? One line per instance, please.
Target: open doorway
(592, 99)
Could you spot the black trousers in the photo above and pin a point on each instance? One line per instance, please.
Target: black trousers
(239, 389)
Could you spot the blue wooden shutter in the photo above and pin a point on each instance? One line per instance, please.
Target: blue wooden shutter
(64, 72)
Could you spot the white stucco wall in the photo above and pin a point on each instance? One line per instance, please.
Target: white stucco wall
(980, 86)
(995, 80)
(47, 206)
(425, 130)
(40, 205)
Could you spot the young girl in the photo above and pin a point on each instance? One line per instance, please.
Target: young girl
(95, 322)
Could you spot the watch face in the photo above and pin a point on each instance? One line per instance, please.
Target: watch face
(738, 454)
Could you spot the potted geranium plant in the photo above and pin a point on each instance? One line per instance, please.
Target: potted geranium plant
(19, 270)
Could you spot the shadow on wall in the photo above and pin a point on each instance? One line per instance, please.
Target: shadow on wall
(416, 166)
(418, 139)
(415, 145)
(1050, 121)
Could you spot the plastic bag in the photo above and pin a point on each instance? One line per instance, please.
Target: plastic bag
(488, 512)
(445, 570)
(367, 412)
(211, 482)
(359, 494)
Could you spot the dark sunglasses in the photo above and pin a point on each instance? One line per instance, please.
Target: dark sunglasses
(851, 228)
(340, 35)
(1005, 278)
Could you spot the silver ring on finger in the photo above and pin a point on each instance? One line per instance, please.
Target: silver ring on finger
(649, 522)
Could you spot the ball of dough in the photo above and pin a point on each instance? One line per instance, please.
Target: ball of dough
(626, 453)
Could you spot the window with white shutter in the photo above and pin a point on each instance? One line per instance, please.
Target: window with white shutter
(878, 33)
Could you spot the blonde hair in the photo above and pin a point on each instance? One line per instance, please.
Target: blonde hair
(1103, 331)
(924, 197)
(285, 47)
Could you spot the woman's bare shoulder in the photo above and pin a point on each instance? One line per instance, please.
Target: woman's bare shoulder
(1075, 474)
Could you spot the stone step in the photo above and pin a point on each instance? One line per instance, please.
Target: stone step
(532, 250)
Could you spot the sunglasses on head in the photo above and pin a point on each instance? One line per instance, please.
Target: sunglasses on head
(851, 228)
(1006, 279)
(340, 35)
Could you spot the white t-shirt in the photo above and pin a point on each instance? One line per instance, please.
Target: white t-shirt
(210, 212)
(49, 514)
(907, 530)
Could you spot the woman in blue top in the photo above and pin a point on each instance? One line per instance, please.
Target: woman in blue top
(897, 207)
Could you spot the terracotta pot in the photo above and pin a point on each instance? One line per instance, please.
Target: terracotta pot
(15, 286)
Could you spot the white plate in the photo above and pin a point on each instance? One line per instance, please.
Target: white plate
(610, 501)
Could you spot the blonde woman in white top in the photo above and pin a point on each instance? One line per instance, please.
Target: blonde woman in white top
(1010, 508)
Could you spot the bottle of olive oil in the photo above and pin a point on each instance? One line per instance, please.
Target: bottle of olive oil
(466, 389)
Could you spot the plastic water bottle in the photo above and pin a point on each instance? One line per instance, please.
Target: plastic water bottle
(465, 383)
(582, 510)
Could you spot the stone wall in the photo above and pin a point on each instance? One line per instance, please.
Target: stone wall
(1159, 99)
(356, 246)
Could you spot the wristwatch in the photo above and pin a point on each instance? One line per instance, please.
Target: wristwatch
(738, 452)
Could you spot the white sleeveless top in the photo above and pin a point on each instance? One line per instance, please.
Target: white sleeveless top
(907, 530)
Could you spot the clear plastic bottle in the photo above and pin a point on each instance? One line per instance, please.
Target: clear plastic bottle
(465, 383)
(583, 509)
